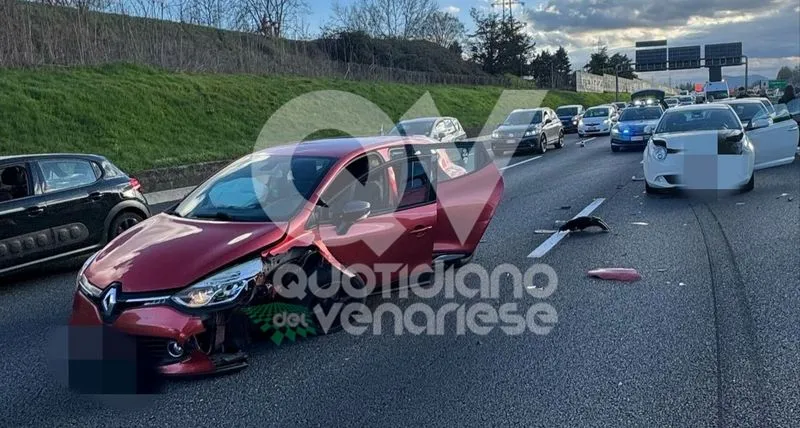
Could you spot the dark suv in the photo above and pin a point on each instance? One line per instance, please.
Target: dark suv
(57, 206)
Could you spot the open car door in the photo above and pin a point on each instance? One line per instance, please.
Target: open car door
(775, 138)
(468, 190)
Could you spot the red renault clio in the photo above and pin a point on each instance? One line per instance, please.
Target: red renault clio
(180, 283)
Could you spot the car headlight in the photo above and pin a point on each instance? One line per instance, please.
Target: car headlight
(220, 288)
(659, 152)
(615, 130)
(530, 133)
(648, 129)
(82, 284)
(87, 288)
(606, 122)
(580, 122)
(495, 134)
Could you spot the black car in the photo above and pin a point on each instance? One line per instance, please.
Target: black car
(569, 116)
(60, 205)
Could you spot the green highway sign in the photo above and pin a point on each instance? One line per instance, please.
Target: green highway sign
(776, 84)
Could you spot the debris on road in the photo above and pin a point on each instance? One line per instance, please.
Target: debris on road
(790, 199)
(640, 223)
(681, 283)
(781, 195)
(566, 207)
(560, 222)
(544, 231)
(635, 178)
(740, 203)
(618, 274)
(585, 222)
(661, 270)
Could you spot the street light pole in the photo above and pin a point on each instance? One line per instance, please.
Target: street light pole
(616, 82)
(745, 72)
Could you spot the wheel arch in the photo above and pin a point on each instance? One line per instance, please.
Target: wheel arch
(124, 206)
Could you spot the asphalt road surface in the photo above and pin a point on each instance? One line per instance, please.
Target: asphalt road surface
(709, 337)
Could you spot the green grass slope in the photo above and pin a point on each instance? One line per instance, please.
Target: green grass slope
(144, 118)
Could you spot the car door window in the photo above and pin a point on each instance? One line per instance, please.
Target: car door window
(61, 174)
(363, 179)
(414, 182)
(460, 159)
(15, 182)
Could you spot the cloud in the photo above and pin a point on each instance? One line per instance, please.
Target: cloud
(453, 10)
(767, 31)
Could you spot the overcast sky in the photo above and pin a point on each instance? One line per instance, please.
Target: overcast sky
(768, 29)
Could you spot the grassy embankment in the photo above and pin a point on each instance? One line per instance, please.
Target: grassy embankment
(143, 118)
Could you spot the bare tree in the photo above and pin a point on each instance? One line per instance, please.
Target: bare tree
(405, 19)
(270, 17)
(443, 29)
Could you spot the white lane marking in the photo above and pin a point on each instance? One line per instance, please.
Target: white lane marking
(586, 140)
(519, 163)
(554, 239)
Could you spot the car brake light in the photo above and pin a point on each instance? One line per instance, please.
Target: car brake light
(135, 184)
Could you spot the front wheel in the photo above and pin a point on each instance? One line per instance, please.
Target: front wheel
(542, 147)
(614, 149)
(750, 184)
(560, 142)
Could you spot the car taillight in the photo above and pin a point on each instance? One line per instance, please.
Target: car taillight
(135, 184)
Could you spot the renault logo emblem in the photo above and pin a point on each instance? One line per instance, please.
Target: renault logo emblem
(109, 301)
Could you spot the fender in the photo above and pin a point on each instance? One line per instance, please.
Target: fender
(127, 204)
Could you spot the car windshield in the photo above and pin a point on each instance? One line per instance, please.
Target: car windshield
(596, 112)
(640, 113)
(686, 99)
(567, 111)
(747, 111)
(523, 118)
(417, 127)
(697, 120)
(258, 188)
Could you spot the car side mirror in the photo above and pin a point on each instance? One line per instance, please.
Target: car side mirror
(352, 212)
(758, 123)
(548, 121)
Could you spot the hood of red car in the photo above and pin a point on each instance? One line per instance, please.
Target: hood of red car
(168, 252)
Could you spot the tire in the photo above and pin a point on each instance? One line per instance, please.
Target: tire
(542, 146)
(324, 281)
(560, 142)
(615, 149)
(122, 222)
(750, 184)
(498, 153)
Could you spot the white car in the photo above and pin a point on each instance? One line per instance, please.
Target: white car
(444, 129)
(776, 138)
(597, 121)
(699, 147)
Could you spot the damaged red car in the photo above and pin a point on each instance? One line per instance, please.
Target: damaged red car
(180, 283)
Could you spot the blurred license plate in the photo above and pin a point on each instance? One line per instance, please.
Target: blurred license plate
(511, 141)
(639, 138)
(591, 128)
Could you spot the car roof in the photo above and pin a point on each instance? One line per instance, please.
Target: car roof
(712, 106)
(741, 101)
(570, 106)
(37, 156)
(527, 109)
(345, 146)
(424, 119)
(600, 106)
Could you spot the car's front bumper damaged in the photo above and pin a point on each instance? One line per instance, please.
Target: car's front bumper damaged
(177, 341)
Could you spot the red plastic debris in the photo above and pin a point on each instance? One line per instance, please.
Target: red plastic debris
(619, 274)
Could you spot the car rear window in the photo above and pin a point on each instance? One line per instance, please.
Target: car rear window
(697, 120)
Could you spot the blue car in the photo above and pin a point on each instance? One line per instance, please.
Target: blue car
(634, 127)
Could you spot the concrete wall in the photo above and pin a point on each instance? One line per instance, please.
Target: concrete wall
(587, 82)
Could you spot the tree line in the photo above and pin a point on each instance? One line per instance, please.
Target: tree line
(382, 32)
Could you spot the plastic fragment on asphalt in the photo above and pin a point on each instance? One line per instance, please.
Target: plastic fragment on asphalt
(617, 274)
(662, 270)
(584, 222)
(635, 178)
(740, 203)
(640, 223)
(681, 283)
(782, 195)
(790, 199)
(544, 231)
